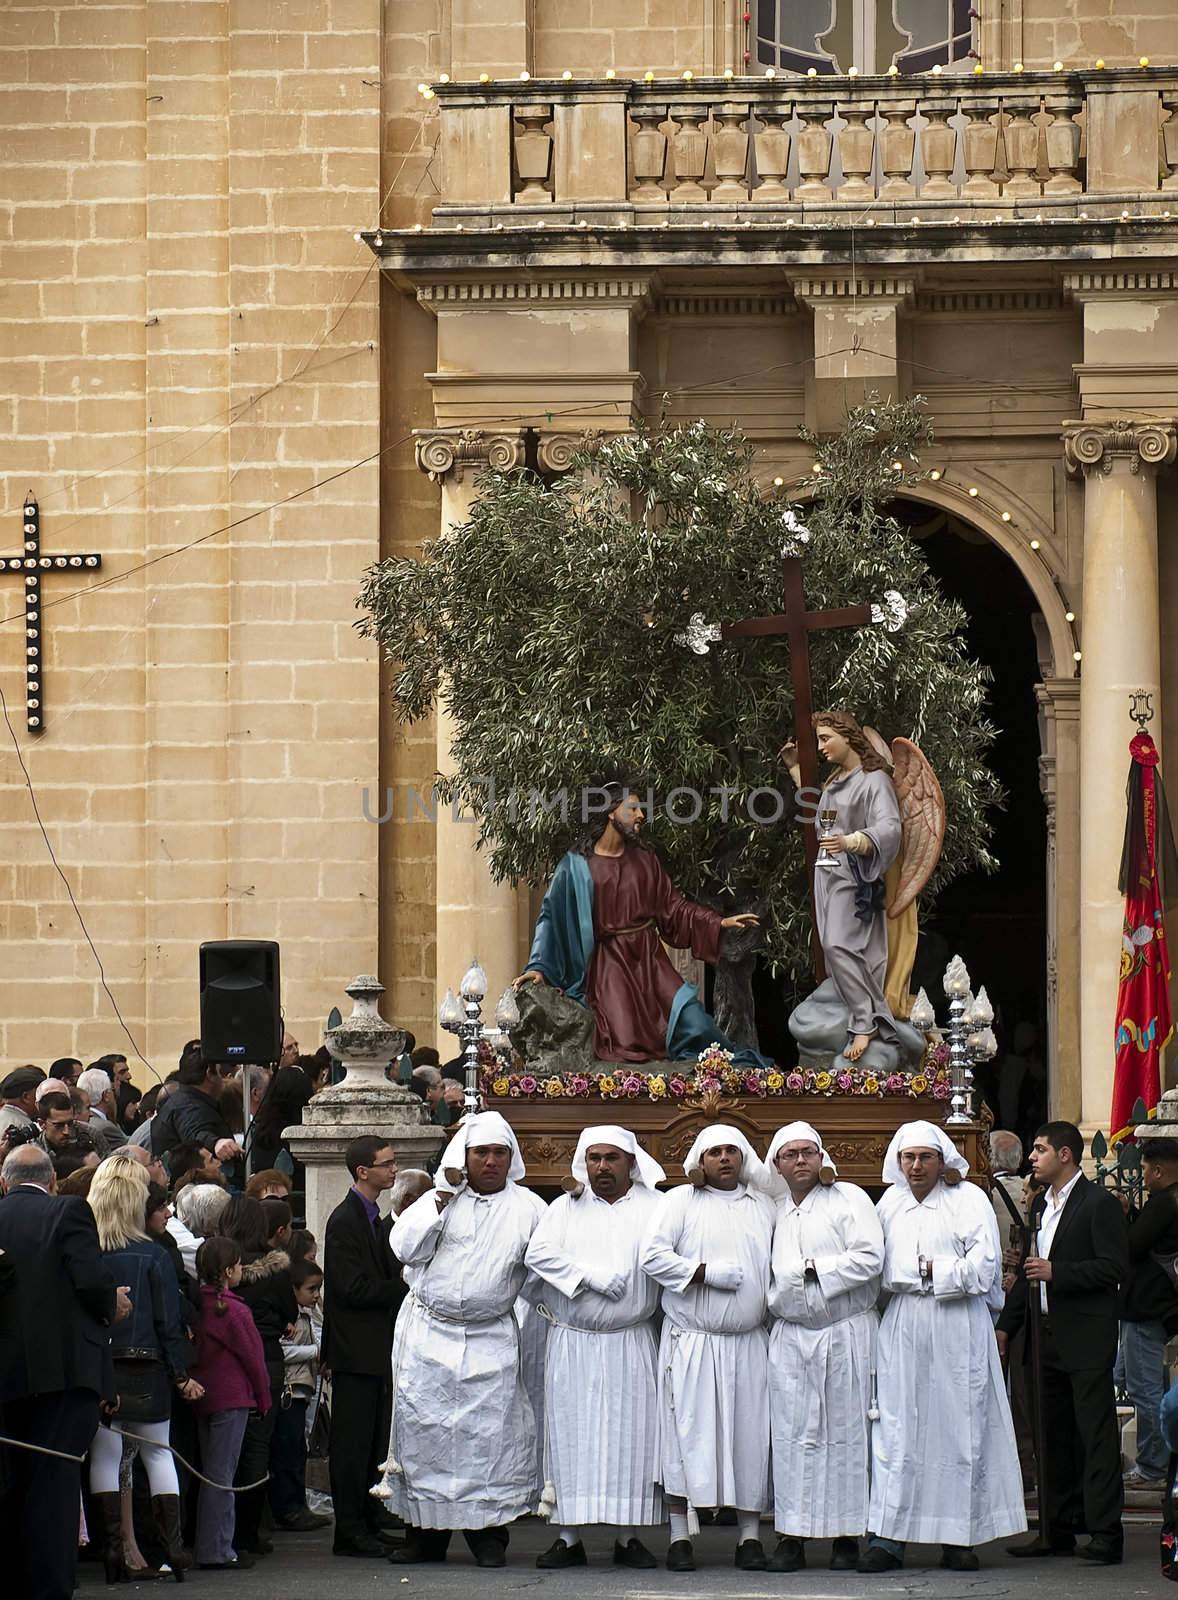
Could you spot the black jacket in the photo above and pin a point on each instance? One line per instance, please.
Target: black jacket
(54, 1327)
(362, 1291)
(266, 1288)
(189, 1116)
(1153, 1231)
(281, 1107)
(1089, 1268)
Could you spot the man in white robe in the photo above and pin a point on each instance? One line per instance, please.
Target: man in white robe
(462, 1447)
(827, 1258)
(601, 1394)
(709, 1249)
(944, 1464)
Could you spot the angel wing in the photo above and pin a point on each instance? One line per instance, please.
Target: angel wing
(922, 817)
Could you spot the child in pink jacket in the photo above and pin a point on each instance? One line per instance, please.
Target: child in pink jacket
(230, 1367)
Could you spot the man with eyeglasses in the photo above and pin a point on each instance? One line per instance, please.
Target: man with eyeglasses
(362, 1291)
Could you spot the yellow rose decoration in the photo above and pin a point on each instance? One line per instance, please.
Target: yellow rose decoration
(822, 1082)
(554, 1088)
(606, 1084)
(500, 1086)
(870, 1085)
(657, 1088)
(920, 1084)
(774, 1082)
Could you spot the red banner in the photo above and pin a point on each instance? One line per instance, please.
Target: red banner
(1144, 1019)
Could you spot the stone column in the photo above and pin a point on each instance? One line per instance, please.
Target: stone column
(1059, 780)
(475, 915)
(364, 1101)
(1121, 653)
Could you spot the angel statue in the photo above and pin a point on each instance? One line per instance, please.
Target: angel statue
(881, 823)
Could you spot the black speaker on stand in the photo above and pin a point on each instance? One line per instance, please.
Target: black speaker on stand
(240, 1001)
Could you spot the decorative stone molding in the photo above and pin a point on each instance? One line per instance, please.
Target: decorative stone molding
(959, 302)
(894, 287)
(442, 451)
(714, 303)
(1116, 283)
(555, 451)
(1096, 446)
(498, 292)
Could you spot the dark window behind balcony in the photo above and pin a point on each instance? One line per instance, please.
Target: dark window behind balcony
(833, 35)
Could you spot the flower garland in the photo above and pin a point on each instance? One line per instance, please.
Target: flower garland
(715, 1073)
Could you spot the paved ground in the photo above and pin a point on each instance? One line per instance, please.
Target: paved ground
(302, 1568)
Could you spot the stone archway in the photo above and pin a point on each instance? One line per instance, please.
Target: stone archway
(1055, 706)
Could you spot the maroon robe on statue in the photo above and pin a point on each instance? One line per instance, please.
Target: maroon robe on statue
(631, 982)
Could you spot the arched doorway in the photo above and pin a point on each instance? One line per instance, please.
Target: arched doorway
(998, 922)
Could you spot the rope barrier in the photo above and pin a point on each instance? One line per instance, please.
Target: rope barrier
(139, 1438)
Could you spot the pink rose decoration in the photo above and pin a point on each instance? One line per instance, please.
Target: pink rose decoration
(528, 1084)
(795, 1083)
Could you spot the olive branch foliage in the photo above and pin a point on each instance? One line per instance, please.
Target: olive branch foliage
(550, 622)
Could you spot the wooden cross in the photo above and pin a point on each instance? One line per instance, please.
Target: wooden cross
(32, 565)
(797, 624)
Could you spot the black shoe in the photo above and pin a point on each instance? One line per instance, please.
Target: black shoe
(844, 1555)
(790, 1556)
(382, 1521)
(680, 1556)
(303, 1521)
(364, 1544)
(488, 1546)
(959, 1558)
(877, 1559)
(421, 1544)
(1102, 1552)
(257, 1546)
(750, 1556)
(559, 1555)
(243, 1563)
(633, 1554)
(1038, 1548)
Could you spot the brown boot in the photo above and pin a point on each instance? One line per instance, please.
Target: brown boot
(114, 1557)
(167, 1521)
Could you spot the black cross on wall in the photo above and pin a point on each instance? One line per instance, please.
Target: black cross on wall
(33, 566)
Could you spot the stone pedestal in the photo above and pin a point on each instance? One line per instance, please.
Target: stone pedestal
(364, 1101)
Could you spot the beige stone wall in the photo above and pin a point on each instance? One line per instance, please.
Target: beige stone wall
(190, 334)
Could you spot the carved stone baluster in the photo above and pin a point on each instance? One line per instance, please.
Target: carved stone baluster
(814, 144)
(1063, 144)
(856, 144)
(1021, 137)
(981, 148)
(772, 149)
(730, 152)
(938, 151)
(1170, 141)
(533, 154)
(648, 155)
(689, 154)
(899, 145)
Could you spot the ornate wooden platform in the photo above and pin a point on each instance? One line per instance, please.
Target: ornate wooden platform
(856, 1129)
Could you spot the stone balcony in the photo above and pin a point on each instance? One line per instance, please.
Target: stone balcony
(1093, 145)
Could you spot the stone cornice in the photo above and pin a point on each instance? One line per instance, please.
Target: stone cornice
(1119, 284)
(446, 452)
(496, 293)
(895, 288)
(709, 304)
(1096, 446)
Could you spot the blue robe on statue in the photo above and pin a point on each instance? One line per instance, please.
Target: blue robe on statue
(599, 939)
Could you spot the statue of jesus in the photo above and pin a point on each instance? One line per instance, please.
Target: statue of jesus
(854, 855)
(599, 939)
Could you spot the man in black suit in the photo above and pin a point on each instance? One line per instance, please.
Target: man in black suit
(1074, 1269)
(58, 1303)
(362, 1290)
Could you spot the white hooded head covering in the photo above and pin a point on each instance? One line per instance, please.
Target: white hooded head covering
(644, 1169)
(774, 1183)
(921, 1136)
(485, 1127)
(751, 1170)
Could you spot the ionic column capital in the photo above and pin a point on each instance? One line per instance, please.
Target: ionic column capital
(450, 452)
(1090, 447)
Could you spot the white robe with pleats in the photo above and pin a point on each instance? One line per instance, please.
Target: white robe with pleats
(601, 1393)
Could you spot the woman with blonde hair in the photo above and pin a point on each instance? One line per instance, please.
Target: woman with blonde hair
(150, 1358)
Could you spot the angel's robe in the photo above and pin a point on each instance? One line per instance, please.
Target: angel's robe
(849, 898)
(599, 939)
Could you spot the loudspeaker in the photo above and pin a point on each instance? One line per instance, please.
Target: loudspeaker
(240, 1011)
